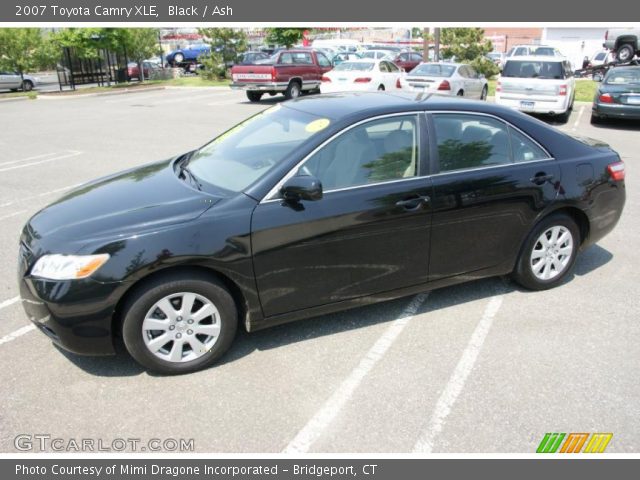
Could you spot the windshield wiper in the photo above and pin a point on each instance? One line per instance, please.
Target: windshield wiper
(186, 173)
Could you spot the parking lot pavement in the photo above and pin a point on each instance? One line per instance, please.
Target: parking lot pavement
(479, 367)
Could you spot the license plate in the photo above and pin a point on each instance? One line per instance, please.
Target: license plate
(420, 87)
(633, 100)
(342, 79)
(527, 104)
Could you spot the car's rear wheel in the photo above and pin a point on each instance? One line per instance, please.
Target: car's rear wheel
(179, 323)
(178, 58)
(27, 85)
(596, 119)
(625, 53)
(292, 91)
(254, 96)
(460, 93)
(381, 88)
(549, 253)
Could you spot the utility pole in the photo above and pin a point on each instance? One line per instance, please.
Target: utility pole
(436, 47)
(425, 44)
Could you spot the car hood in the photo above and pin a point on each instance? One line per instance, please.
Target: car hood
(131, 202)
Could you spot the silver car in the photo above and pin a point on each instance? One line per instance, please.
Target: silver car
(446, 79)
(13, 81)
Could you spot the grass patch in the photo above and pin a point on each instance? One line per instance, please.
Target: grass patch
(585, 89)
(32, 95)
(195, 81)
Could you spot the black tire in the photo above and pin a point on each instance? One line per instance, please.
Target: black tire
(625, 53)
(485, 92)
(27, 85)
(293, 90)
(381, 88)
(564, 117)
(460, 93)
(254, 96)
(144, 299)
(596, 119)
(178, 58)
(524, 274)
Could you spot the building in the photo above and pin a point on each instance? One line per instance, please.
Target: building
(575, 43)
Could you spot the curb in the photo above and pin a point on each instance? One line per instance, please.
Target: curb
(122, 91)
(16, 99)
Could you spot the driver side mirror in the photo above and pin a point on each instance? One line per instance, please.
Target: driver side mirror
(301, 187)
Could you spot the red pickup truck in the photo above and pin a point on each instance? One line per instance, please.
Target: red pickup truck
(290, 72)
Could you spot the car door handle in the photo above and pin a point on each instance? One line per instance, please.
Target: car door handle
(413, 203)
(541, 178)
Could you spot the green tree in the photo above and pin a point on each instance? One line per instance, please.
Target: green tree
(139, 43)
(468, 45)
(20, 49)
(284, 36)
(86, 42)
(228, 42)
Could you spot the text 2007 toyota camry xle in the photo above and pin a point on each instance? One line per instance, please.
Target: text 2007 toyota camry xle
(312, 206)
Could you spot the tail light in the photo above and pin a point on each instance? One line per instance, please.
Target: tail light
(605, 98)
(616, 171)
(362, 80)
(273, 73)
(498, 87)
(444, 85)
(326, 79)
(398, 84)
(562, 90)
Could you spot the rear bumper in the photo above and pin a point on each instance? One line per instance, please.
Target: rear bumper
(260, 86)
(76, 315)
(631, 112)
(552, 105)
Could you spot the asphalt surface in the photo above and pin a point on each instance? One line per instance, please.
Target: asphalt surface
(479, 367)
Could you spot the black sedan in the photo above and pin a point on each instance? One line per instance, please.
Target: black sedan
(618, 96)
(312, 206)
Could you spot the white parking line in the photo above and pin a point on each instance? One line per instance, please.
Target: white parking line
(328, 412)
(14, 214)
(130, 97)
(36, 157)
(577, 122)
(42, 194)
(9, 302)
(17, 333)
(458, 378)
(191, 98)
(23, 165)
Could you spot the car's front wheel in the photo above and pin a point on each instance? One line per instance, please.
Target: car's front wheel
(27, 85)
(179, 323)
(254, 96)
(549, 253)
(485, 92)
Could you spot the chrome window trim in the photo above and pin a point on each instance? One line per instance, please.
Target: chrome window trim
(276, 189)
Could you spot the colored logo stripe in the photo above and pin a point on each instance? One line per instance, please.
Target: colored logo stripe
(574, 443)
(598, 442)
(550, 443)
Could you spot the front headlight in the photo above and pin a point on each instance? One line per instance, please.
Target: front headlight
(68, 267)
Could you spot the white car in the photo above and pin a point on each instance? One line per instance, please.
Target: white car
(537, 84)
(362, 75)
(374, 54)
(529, 50)
(446, 79)
(13, 81)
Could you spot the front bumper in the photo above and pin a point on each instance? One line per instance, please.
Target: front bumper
(551, 105)
(260, 86)
(75, 314)
(611, 110)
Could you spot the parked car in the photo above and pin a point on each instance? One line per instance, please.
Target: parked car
(624, 42)
(362, 75)
(446, 79)
(187, 55)
(249, 58)
(537, 84)
(13, 81)
(601, 57)
(343, 57)
(528, 50)
(133, 70)
(312, 206)
(289, 72)
(618, 96)
(406, 60)
(496, 57)
(374, 54)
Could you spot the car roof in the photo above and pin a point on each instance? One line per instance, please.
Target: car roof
(346, 105)
(536, 58)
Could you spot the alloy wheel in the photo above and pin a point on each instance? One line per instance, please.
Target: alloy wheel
(551, 253)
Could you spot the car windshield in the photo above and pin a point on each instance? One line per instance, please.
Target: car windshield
(600, 56)
(548, 51)
(627, 76)
(434, 70)
(532, 69)
(246, 152)
(354, 67)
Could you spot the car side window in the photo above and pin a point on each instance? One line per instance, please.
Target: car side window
(377, 151)
(470, 141)
(286, 58)
(471, 71)
(523, 149)
(302, 58)
(384, 67)
(392, 67)
(462, 71)
(322, 60)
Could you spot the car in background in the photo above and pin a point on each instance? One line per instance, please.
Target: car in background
(406, 60)
(537, 84)
(13, 81)
(601, 57)
(187, 55)
(362, 75)
(374, 54)
(618, 95)
(527, 50)
(624, 42)
(496, 57)
(133, 69)
(343, 57)
(388, 48)
(446, 79)
(251, 57)
(311, 207)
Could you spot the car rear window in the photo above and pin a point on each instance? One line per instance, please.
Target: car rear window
(627, 76)
(533, 69)
(434, 70)
(354, 66)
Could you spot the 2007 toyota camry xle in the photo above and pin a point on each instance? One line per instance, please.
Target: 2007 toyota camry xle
(312, 206)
